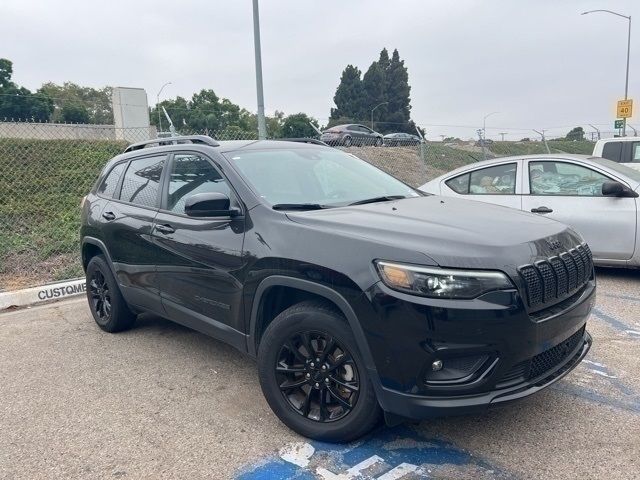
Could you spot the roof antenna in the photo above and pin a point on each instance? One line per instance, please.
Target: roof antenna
(172, 129)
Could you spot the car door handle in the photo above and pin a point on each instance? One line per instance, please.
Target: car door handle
(109, 216)
(541, 210)
(166, 229)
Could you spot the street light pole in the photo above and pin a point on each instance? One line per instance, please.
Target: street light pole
(373, 110)
(158, 106)
(262, 124)
(626, 79)
(484, 133)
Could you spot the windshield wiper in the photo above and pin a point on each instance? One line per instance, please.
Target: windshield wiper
(298, 206)
(384, 198)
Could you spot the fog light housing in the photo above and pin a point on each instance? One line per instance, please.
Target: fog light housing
(456, 370)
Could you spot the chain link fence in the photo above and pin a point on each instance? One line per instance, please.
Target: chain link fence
(46, 169)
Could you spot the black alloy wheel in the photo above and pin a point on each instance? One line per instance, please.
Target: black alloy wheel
(313, 374)
(317, 376)
(107, 305)
(100, 297)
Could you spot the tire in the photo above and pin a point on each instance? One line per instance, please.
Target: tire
(106, 303)
(378, 142)
(347, 141)
(310, 406)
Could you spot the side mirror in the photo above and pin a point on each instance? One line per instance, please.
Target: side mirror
(616, 189)
(213, 204)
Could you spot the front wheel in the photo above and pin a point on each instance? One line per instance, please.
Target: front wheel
(108, 307)
(347, 142)
(378, 142)
(313, 375)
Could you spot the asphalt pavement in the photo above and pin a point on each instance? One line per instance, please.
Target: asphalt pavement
(162, 401)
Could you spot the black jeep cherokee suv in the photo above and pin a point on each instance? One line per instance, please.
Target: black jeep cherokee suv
(357, 294)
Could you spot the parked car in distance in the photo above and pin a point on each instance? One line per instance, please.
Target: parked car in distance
(597, 197)
(486, 141)
(351, 134)
(624, 150)
(401, 139)
(357, 293)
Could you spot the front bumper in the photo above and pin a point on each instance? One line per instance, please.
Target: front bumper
(420, 407)
(519, 353)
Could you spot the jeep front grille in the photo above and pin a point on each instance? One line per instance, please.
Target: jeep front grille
(555, 278)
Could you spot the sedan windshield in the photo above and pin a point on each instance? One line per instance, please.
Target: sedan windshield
(320, 178)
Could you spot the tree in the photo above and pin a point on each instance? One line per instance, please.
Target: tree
(96, 102)
(297, 126)
(398, 111)
(19, 103)
(349, 95)
(373, 85)
(208, 113)
(74, 113)
(386, 80)
(576, 133)
(6, 71)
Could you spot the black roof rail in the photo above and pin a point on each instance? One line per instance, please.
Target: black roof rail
(200, 139)
(313, 141)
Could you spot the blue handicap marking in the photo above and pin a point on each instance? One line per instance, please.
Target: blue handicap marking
(398, 453)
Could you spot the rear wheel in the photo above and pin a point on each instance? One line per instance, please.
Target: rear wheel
(378, 142)
(313, 376)
(347, 142)
(107, 305)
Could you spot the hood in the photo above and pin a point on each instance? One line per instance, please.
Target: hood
(453, 232)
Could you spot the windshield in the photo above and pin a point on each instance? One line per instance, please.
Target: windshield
(324, 177)
(620, 168)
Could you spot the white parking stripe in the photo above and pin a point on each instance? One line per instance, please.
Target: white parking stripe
(399, 472)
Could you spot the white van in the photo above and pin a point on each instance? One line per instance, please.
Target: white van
(620, 149)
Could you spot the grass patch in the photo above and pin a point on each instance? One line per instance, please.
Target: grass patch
(41, 185)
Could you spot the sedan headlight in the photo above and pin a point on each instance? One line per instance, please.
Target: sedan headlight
(436, 282)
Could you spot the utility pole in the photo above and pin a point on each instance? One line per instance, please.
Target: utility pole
(158, 105)
(543, 139)
(262, 124)
(626, 80)
(484, 133)
(596, 129)
(502, 134)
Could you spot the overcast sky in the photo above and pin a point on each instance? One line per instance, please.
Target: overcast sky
(537, 62)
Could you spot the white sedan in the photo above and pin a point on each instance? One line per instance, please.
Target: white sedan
(597, 197)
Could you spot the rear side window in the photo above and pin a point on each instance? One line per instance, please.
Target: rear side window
(108, 186)
(498, 180)
(142, 181)
(635, 152)
(459, 184)
(612, 151)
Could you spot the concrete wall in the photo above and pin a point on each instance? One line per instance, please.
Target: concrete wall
(64, 131)
(56, 131)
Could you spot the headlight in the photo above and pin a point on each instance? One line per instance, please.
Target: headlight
(436, 282)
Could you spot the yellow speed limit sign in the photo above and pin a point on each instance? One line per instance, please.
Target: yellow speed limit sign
(625, 108)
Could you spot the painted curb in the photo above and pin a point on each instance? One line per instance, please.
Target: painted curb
(44, 293)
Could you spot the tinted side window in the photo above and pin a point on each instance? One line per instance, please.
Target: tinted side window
(192, 174)
(142, 181)
(498, 180)
(635, 152)
(108, 186)
(612, 151)
(460, 184)
(560, 178)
